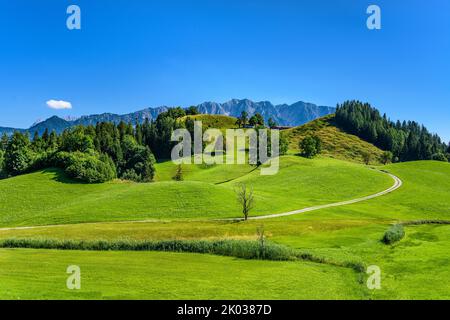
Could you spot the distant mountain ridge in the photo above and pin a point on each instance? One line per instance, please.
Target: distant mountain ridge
(284, 114)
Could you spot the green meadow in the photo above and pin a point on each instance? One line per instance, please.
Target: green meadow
(31, 274)
(414, 268)
(49, 197)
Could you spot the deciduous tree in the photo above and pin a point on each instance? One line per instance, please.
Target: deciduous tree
(310, 146)
(245, 198)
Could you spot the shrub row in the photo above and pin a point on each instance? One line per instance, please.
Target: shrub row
(357, 266)
(420, 222)
(234, 248)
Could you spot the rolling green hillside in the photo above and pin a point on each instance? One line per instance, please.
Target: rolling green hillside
(336, 143)
(415, 268)
(49, 197)
(215, 174)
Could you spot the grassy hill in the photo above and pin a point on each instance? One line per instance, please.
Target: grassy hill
(213, 121)
(49, 197)
(336, 143)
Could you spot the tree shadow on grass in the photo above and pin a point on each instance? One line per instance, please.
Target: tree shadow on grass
(60, 176)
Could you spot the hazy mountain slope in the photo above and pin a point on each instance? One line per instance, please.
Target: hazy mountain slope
(284, 114)
(9, 131)
(53, 123)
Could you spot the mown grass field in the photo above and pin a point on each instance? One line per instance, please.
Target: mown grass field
(414, 268)
(31, 274)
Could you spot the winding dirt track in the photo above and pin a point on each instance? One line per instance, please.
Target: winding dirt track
(397, 184)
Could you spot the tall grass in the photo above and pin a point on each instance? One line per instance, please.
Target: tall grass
(234, 248)
(243, 249)
(420, 222)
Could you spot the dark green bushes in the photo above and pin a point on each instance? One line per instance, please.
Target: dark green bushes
(86, 153)
(90, 168)
(138, 164)
(394, 234)
(420, 222)
(439, 157)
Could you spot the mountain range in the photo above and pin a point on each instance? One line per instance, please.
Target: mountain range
(284, 115)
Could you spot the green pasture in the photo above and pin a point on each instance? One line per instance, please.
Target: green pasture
(414, 268)
(49, 197)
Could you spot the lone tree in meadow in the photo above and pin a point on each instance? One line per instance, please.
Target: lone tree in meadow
(245, 198)
(310, 146)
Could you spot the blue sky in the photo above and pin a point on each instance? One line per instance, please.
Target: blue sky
(135, 54)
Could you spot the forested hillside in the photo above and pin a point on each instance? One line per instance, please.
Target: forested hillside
(93, 153)
(407, 140)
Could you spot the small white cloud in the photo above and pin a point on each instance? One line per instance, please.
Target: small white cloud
(59, 105)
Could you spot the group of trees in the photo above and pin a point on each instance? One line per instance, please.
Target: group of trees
(94, 153)
(242, 120)
(102, 152)
(88, 153)
(257, 120)
(406, 141)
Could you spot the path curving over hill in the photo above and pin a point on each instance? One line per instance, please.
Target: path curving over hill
(397, 184)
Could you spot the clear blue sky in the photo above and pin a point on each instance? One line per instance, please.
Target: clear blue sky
(135, 54)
